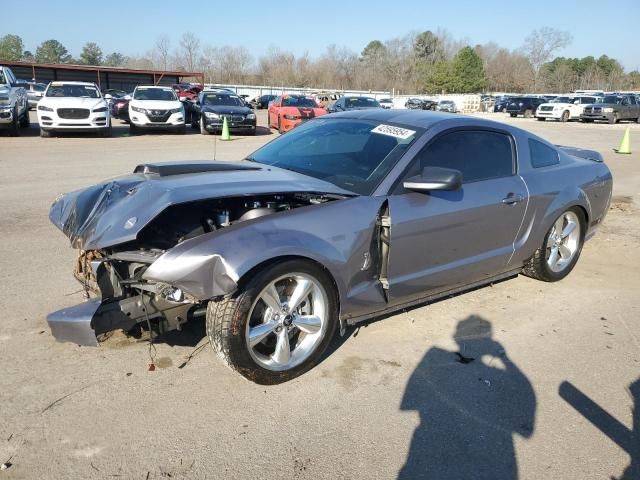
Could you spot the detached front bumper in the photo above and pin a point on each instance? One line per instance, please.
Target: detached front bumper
(75, 324)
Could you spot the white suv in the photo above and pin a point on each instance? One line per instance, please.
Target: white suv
(73, 106)
(156, 107)
(564, 107)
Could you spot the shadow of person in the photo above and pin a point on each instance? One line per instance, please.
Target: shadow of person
(471, 403)
(628, 440)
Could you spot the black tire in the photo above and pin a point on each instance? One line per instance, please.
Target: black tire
(541, 119)
(227, 322)
(513, 115)
(536, 267)
(565, 116)
(133, 130)
(638, 120)
(280, 131)
(108, 132)
(268, 122)
(14, 128)
(613, 119)
(24, 121)
(194, 123)
(45, 133)
(203, 131)
(527, 114)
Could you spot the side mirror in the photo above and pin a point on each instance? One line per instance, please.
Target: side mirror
(434, 178)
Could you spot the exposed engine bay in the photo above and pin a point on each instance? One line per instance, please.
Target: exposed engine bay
(116, 274)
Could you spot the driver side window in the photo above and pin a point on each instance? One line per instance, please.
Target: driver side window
(477, 154)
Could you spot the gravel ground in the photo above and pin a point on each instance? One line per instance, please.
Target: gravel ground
(548, 397)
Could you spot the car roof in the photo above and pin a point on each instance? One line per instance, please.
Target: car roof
(164, 87)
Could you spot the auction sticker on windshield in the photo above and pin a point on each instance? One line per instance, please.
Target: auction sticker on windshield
(397, 132)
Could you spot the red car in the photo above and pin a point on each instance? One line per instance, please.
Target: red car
(288, 111)
(186, 90)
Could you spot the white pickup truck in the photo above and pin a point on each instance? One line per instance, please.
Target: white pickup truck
(14, 103)
(565, 107)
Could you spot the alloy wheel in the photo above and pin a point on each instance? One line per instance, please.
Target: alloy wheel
(563, 242)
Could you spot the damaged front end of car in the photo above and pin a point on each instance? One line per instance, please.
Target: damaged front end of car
(125, 230)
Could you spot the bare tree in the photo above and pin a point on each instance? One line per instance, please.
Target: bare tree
(190, 50)
(161, 51)
(540, 45)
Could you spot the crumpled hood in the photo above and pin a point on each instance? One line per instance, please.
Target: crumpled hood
(115, 211)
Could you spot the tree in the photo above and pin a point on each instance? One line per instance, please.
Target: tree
(115, 59)
(162, 51)
(52, 51)
(27, 56)
(190, 49)
(428, 48)
(540, 45)
(11, 47)
(372, 60)
(467, 72)
(91, 54)
(440, 78)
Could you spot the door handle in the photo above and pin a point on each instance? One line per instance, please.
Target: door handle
(512, 199)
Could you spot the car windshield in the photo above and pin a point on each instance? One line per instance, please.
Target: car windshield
(222, 99)
(71, 90)
(154, 94)
(610, 99)
(446, 102)
(352, 154)
(297, 101)
(357, 102)
(562, 100)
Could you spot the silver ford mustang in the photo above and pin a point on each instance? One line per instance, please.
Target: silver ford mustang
(346, 218)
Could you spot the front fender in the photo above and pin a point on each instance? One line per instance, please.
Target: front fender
(335, 234)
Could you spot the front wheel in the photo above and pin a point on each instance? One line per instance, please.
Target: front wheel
(513, 115)
(203, 130)
(613, 119)
(276, 326)
(45, 133)
(565, 117)
(560, 250)
(280, 130)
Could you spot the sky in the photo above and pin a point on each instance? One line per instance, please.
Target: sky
(131, 27)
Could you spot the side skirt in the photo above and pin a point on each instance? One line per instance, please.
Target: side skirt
(436, 296)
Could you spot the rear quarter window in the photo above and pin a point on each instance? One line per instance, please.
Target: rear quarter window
(542, 155)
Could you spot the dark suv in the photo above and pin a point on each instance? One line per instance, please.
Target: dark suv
(525, 106)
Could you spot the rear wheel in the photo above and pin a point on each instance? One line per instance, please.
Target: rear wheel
(565, 117)
(560, 250)
(278, 325)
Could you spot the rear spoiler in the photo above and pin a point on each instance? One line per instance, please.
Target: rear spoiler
(581, 153)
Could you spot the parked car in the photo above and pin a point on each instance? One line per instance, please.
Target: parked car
(115, 93)
(613, 108)
(447, 106)
(564, 108)
(35, 92)
(525, 106)
(386, 103)
(186, 91)
(73, 107)
(213, 106)
(345, 104)
(120, 108)
(156, 107)
(326, 99)
(329, 225)
(262, 101)
(420, 104)
(288, 111)
(14, 103)
(501, 104)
